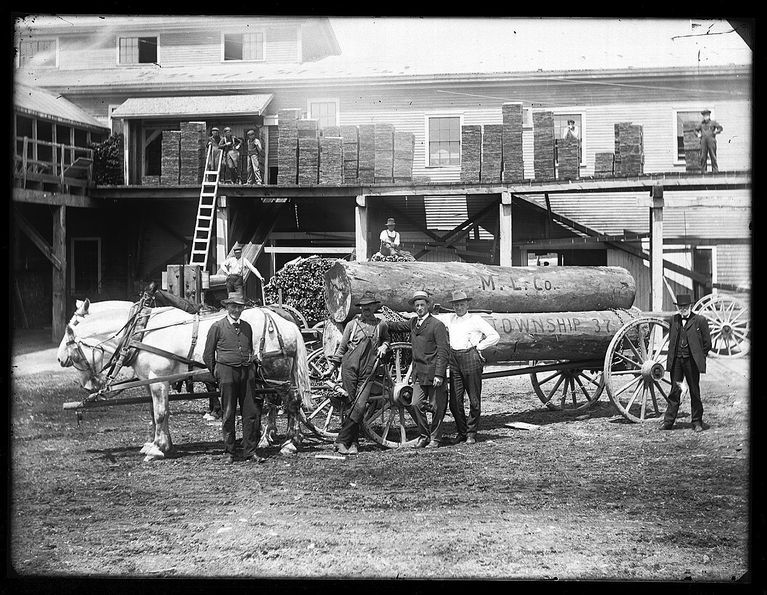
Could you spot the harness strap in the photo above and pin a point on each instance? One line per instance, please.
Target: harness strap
(168, 354)
(195, 329)
(269, 322)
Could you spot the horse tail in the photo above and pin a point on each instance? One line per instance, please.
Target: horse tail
(301, 372)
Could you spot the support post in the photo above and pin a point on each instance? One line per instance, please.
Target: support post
(126, 152)
(222, 230)
(656, 249)
(361, 228)
(59, 293)
(504, 229)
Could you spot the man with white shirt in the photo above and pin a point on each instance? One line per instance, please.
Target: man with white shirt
(469, 336)
(234, 267)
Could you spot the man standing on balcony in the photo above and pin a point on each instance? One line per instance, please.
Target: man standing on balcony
(230, 145)
(213, 141)
(707, 131)
(255, 150)
(234, 267)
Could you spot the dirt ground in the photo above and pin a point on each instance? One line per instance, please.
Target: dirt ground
(591, 497)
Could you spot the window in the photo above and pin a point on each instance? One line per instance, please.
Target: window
(86, 265)
(137, 50)
(561, 128)
(40, 53)
(444, 141)
(244, 46)
(324, 110)
(692, 116)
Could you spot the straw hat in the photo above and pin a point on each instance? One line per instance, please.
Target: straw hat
(460, 296)
(419, 295)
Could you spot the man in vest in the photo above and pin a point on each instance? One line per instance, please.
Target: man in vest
(229, 357)
(689, 342)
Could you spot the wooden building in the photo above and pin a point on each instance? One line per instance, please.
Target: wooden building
(142, 76)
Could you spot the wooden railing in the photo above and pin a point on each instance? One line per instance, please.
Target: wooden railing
(68, 165)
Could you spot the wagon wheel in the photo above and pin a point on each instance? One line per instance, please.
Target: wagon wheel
(635, 369)
(569, 389)
(728, 318)
(325, 417)
(386, 422)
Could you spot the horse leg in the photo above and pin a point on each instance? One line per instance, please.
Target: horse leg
(294, 438)
(162, 445)
(268, 437)
(149, 444)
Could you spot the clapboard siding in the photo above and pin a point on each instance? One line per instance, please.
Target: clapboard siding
(733, 264)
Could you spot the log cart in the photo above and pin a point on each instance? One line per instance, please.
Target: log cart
(573, 330)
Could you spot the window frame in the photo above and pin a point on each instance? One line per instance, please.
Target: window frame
(261, 30)
(56, 44)
(582, 115)
(72, 278)
(676, 160)
(427, 139)
(334, 100)
(136, 36)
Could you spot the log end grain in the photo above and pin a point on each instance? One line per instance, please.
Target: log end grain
(338, 292)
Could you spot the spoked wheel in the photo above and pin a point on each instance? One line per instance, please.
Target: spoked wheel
(386, 421)
(568, 389)
(728, 320)
(635, 369)
(325, 417)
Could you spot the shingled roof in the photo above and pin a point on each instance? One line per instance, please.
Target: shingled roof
(41, 103)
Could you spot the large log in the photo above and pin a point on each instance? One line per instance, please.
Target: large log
(494, 288)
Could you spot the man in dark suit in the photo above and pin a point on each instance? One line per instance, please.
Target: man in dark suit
(229, 357)
(688, 346)
(430, 349)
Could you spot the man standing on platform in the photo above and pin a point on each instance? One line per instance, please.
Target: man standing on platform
(230, 145)
(214, 140)
(689, 341)
(255, 150)
(429, 345)
(229, 357)
(707, 131)
(234, 267)
(470, 335)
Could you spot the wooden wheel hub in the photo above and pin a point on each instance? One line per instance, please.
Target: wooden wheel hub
(653, 370)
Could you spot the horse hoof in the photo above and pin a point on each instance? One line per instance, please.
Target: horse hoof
(146, 448)
(154, 453)
(288, 449)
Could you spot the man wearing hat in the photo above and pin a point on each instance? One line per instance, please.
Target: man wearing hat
(689, 342)
(571, 132)
(707, 131)
(390, 240)
(470, 335)
(229, 357)
(429, 345)
(365, 339)
(213, 141)
(230, 145)
(255, 150)
(234, 267)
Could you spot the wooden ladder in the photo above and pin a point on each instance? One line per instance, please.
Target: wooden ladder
(206, 211)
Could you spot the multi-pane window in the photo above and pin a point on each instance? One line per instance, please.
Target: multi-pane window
(137, 50)
(444, 141)
(38, 53)
(562, 129)
(681, 118)
(326, 112)
(244, 46)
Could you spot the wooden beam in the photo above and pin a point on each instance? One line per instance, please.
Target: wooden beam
(309, 249)
(505, 227)
(458, 232)
(40, 197)
(403, 215)
(38, 240)
(361, 230)
(59, 286)
(700, 278)
(656, 250)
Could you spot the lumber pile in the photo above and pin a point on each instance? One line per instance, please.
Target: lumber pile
(603, 164)
(491, 163)
(308, 160)
(367, 153)
(169, 159)
(331, 159)
(569, 161)
(192, 152)
(513, 163)
(330, 131)
(287, 146)
(543, 145)
(383, 162)
(299, 283)
(404, 149)
(471, 153)
(691, 147)
(350, 151)
(629, 149)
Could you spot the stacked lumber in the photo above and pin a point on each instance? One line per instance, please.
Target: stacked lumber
(192, 152)
(169, 160)
(691, 146)
(287, 147)
(383, 164)
(603, 164)
(308, 128)
(150, 180)
(629, 149)
(331, 131)
(491, 163)
(543, 145)
(308, 160)
(350, 151)
(471, 153)
(366, 153)
(300, 284)
(331, 160)
(513, 163)
(569, 162)
(404, 147)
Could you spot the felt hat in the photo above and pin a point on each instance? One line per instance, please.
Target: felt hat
(571, 121)
(237, 246)
(460, 296)
(391, 221)
(367, 299)
(419, 295)
(214, 129)
(227, 128)
(683, 299)
(251, 130)
(705, 111)
(234, 297)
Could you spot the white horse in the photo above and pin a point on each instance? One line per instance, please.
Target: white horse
(94, 334)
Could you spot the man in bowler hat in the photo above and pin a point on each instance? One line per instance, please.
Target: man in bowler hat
(688, 345)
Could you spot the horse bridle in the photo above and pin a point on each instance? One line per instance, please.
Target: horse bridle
(80, 356)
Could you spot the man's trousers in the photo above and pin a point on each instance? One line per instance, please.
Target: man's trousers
(237, 385)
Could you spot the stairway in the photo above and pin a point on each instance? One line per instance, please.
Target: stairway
(206, 211)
